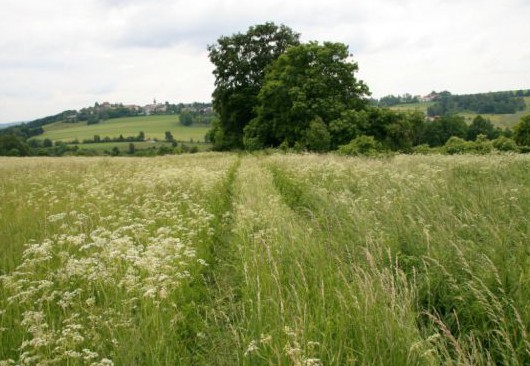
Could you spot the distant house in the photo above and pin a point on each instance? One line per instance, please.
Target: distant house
(154, 108)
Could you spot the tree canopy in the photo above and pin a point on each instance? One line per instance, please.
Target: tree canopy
(305, 89)
(240, 64)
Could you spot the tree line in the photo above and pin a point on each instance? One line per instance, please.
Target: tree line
(271, 90)
(392, 100)
(485, 103)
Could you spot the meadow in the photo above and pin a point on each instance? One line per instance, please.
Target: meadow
(102, 147)
(498, 120)
(279, 259)
(152, 126)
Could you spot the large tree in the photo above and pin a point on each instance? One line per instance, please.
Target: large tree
(522, 131)
(240, 62)
(305, 89)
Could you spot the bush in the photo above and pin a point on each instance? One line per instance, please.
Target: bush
(186, 118)
(457, 145)
(482, 145)
(252, 143)
(503, 143)
(12, 145)
(362, 145)
(115, 151)
(423, 149)
(164, 150)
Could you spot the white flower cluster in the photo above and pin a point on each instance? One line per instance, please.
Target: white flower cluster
(122, 240)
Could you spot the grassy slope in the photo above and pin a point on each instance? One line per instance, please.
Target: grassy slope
(412, 106)
(139, 145)
(153, 127)
(498, 120)
(312, 259)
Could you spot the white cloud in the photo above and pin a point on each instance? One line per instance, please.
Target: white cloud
(66, 54)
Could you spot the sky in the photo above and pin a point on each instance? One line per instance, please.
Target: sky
(57, 55)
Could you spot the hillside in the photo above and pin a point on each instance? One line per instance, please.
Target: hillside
(265, 259)
(154, 127)
(499, 120)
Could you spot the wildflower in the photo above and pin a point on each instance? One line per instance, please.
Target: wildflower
(89, 355)
(103, 362)
(252, 347)
(90, 301)
(265, 338)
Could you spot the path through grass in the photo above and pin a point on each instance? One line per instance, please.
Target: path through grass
(219, 259)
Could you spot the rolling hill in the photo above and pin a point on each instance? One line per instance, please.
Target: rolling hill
(154, 127)
(498, 120)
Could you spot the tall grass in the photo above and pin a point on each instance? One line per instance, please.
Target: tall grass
(110, 276)
(457, 228)
(266, 260)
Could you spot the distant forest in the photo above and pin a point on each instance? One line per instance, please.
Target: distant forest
(445, 103)
(487, 103)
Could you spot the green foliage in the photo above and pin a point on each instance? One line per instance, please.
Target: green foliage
(392, 100)
(397, 130)
(47, 143)
(308, 82)
(485, 103)
(361, 145)
(164, 150)
(423, 149)
(457, 145)
(317, 137)
(438, 131)
(350, 124)
(186, 118)
(168, 136)
(503, 143)
(522, 131)
(240, 62)
(115, 151)
(481, 126)
(93, 119)
(11, 145)
(404, 130)
(483, 145)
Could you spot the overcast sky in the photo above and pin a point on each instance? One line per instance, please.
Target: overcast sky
(65, 54)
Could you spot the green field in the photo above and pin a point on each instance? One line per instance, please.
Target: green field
(498, 120)
(153, 127)
(123, 146)
(139, 145)
(413, 107)
(280, 259)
